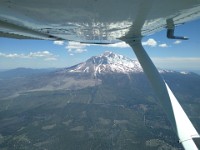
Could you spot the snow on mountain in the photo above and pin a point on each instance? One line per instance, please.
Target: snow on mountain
(109, 62)
(106, 63)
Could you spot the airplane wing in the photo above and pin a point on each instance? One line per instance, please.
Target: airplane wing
(91, 21)
(104, 22)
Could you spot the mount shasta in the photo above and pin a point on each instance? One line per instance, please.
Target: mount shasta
(108, 62)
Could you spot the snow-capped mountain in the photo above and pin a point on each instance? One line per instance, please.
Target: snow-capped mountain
(106, 63)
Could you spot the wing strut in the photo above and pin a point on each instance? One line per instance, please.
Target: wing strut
(178, 118)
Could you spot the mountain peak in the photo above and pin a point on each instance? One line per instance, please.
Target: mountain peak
(108, 62)
(107, 58)
(107, 53)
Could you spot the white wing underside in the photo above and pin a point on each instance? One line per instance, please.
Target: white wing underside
(91, 21)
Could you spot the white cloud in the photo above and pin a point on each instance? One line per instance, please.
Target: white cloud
(163, 45)
(177, 42)
(150, 42)
(40, 54)
(76, 47)
(80, 50)
(58, 42)
(14, 55)
(153, 43)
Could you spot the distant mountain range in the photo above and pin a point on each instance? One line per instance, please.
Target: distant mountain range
(85, 74)
(108, 62)
(105, 102)
(23, 72)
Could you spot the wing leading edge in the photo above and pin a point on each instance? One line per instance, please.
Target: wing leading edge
(90, 21)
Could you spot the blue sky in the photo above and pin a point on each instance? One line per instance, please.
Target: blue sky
(166, 53)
